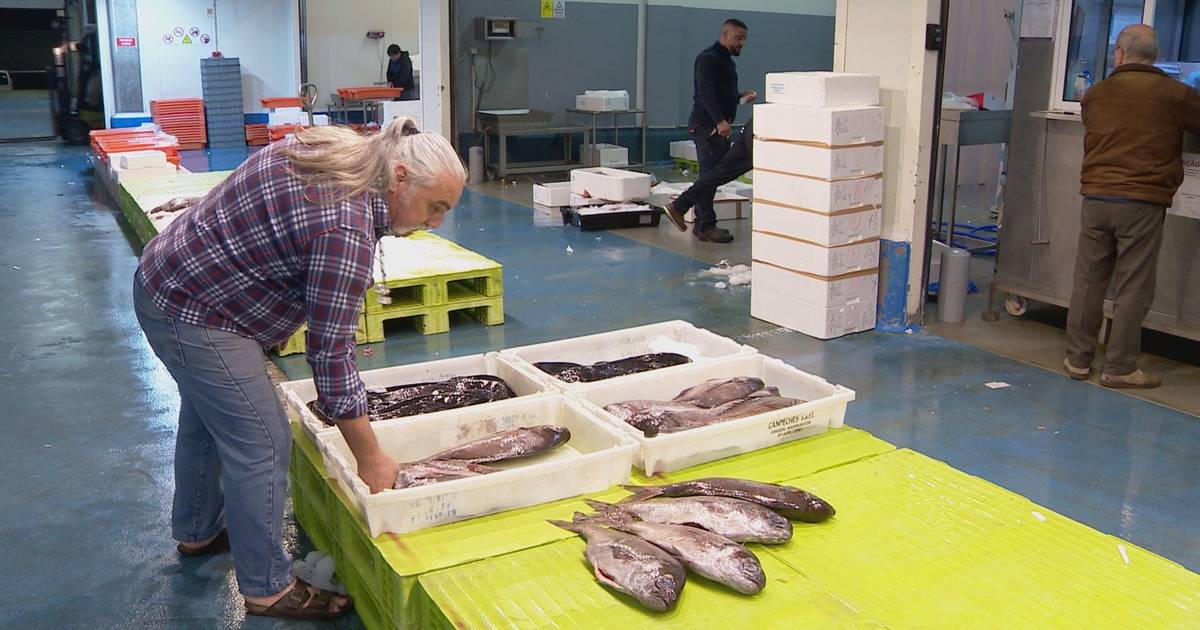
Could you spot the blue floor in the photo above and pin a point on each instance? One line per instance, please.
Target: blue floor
(86, 493)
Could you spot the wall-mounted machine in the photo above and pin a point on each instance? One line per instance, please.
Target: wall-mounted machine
(495, 28)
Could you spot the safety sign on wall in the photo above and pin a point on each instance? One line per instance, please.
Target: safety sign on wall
(1187, 200)
(186, 37)
(126, 42)
(554, 9)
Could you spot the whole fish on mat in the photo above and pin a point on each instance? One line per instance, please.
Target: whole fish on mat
(576, 373)
(511, 444)
(631, 565)
(788, 501)
(673, 417)
(710, 555)
(737, 520)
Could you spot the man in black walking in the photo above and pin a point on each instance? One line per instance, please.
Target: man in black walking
(715, 103)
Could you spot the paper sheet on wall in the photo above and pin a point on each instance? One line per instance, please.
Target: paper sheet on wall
(1037, 19)
(1187, 200)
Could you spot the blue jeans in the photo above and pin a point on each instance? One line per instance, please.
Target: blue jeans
(233, 446)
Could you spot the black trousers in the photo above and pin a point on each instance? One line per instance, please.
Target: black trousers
(720, 163)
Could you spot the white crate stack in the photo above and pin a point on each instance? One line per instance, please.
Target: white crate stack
(818, 196)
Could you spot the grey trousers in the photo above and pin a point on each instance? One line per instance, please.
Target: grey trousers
(1118, 243)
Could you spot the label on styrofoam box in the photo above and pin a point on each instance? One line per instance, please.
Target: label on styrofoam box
(817, 194)
(814, 321)
(819, 161)
(797, 255)
(822, 89)
(831, 126)
(837, 228)
(821, 291)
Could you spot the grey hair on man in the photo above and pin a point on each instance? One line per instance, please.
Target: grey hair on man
(1139, 43)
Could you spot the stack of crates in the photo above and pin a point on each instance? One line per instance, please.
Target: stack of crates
(222, 81)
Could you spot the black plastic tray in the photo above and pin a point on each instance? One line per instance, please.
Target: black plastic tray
(612, 220)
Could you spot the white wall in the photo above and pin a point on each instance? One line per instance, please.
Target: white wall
(339, 53)
(887, 38)
(264, 35)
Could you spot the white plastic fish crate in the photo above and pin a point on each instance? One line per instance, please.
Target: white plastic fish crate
(596, 457)
(299, 393)
(825, 408)
(677, 336)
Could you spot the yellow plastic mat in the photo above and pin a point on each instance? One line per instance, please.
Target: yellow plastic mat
(919, 544)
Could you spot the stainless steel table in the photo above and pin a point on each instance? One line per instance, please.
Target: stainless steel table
(503, 168)
(962, 128)
(616, 127)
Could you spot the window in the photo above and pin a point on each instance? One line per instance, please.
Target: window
(1086, 43)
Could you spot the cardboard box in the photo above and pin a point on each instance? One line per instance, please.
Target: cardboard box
(816, 194)
(832, 126)
(839, 228)
(852, 288)
(552, 194)
(819, 161)
(610, 183)
(813, 258)
(814, 321)
(822, 89)
(604, 155)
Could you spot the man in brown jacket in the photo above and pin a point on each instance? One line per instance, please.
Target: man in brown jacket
(1132, 167)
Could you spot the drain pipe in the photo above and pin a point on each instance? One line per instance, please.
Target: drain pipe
(640, 97)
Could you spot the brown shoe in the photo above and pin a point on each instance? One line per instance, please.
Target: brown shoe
(675, 216)
(304, 601)
(1136, 379)
(714, 235)
(1079, 374)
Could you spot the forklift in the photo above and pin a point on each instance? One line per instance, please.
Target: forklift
(76, 99)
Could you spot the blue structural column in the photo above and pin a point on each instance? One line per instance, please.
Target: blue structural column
(892, 312)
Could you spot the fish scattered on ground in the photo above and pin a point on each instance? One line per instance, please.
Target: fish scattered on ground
(506, 445)
(737, 520)
(424, 473)
(710, 555)
(576, 373)
(790, 502)
(401, 401)
(631, 565)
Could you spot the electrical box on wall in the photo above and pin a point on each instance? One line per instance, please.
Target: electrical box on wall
(374, 34)
(495, 28)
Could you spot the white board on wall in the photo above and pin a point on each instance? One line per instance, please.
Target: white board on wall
(174, 36)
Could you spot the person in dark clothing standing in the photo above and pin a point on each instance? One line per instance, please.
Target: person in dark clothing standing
(738, 160)
(400, 71)
(714, 107)
(1132, 167)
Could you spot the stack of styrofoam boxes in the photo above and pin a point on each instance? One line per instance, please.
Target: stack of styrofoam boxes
(130, 165)
(221, 78)
(818, 194)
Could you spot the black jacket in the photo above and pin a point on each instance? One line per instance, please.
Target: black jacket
(400, 72)
(716, 88)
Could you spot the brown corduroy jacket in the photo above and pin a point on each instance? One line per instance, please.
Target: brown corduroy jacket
(1134, 122)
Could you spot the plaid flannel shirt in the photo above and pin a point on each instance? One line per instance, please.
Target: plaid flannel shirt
(257, 258)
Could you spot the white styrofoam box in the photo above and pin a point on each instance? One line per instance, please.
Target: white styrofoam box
(822, 89)
(677, 336)
(300, 392)
(128, 174)
(807, 257)
(737, 187)
(832, 126)
(552, 194)
(825, 408)
(287, 110)
(817, 194)
(603, 100)
(401, 109)
(610, 183)
(935, 261)
(823, 323)
(728, 208)
(684, 150)
(320, 120)
(819, 291)
(604, 154)
(596, 457)
(128, 160)
(818, 161)
(289, 117)
(838, 228)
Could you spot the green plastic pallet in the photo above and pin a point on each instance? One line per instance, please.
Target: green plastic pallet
(296, 343)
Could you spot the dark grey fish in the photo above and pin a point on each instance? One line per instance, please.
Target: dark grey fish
(674, 417)
(710, 555)
(719, 391)
(788, 501)
(512, 444)
(631, 565)
(175, 205)
(430, 472)
(737, 520)
(576, 373)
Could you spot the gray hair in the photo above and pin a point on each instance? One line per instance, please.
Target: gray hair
(353, 164)
(1140, 43)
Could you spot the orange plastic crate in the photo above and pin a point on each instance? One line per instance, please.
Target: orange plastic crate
(272, 102)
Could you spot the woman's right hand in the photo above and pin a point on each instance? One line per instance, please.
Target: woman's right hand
(378, 472)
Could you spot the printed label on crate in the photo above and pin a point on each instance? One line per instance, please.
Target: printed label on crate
(786, 427)
(433, 509)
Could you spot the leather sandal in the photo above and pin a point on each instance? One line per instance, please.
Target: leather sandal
(219, 544)
(303, 601)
